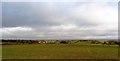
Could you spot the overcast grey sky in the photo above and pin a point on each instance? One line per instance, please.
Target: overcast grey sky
(96, 19)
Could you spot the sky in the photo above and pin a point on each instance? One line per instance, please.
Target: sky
(59, 19)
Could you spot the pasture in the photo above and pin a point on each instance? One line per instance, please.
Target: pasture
(59, 51)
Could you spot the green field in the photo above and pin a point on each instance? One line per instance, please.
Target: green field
(60, 51)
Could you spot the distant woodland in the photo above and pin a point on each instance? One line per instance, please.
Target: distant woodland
(107, 42)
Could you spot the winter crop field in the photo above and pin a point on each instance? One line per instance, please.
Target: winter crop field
(60, 51)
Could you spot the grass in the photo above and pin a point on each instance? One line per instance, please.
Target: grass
(59, 51)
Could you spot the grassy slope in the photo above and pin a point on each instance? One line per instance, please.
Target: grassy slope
(0, 52)
(59, 51)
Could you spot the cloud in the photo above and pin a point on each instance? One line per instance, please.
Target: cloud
(14, 29)
(64, 27)
(60, 0)
(13, 32)
(60, 20)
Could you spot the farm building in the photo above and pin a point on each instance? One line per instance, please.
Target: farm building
(42, 42)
